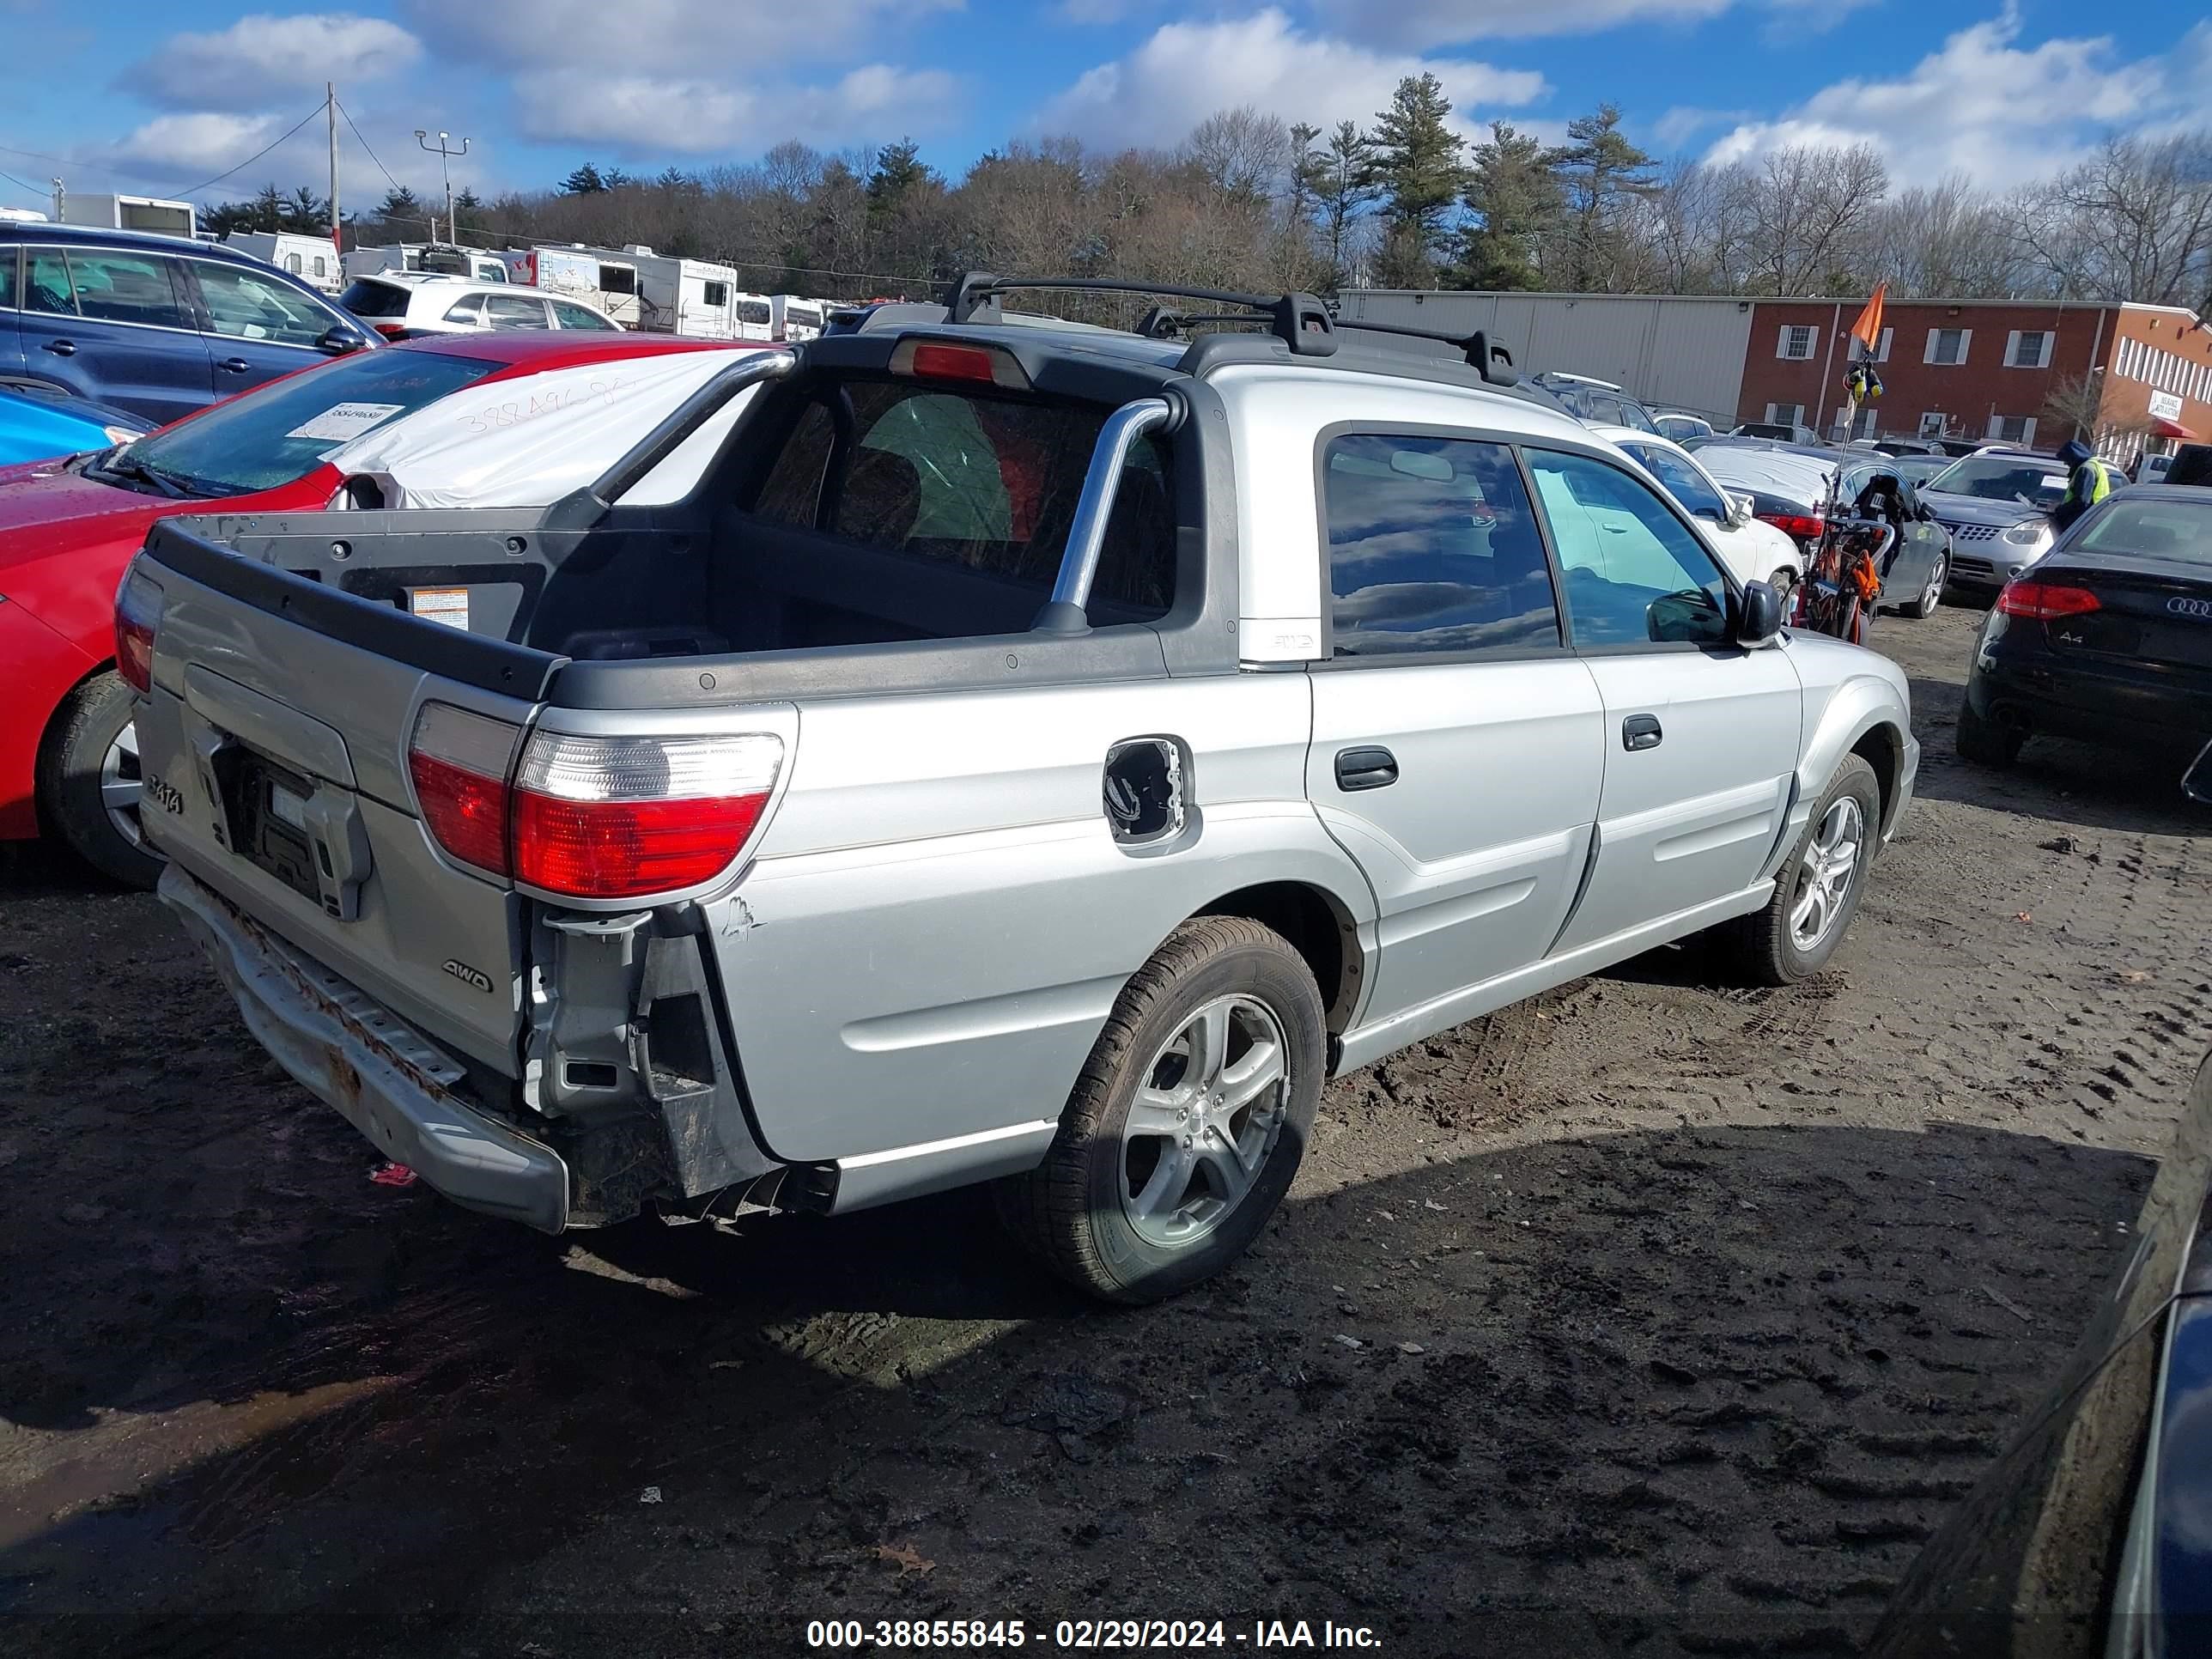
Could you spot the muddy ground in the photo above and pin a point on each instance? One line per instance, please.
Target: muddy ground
(1684, 1314)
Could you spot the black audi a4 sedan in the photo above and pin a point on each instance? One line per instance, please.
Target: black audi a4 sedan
(2107, 638)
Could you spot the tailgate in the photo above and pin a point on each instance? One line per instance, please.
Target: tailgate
(2148, 613)
(274, 745)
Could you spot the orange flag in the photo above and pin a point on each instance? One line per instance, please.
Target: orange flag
(1867, 330)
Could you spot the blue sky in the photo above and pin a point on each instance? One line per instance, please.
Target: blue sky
(134, 95)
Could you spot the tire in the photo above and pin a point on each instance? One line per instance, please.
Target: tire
(1077, 1210)
(1769, 946)
(1931, 596)
(1984, 742)
(88, 782)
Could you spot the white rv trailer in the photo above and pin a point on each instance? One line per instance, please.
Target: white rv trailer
(606, 280)
(147, 213)
(311, 258)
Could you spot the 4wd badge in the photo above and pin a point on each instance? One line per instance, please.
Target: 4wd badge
(468, 975)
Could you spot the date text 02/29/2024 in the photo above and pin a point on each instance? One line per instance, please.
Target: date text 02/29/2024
(1091, 1635)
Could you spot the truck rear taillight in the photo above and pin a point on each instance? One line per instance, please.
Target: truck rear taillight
(137, 616)
(460, 763)
(626, 817)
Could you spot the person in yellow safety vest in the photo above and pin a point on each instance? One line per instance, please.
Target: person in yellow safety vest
(2088, 481)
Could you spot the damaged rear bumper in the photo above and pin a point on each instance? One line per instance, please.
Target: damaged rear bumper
(384, 1080)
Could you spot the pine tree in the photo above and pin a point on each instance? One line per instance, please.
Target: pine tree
(1516, 205)
(585, 180)
(1415, 162)
(268, 207)
(1600, 171)
(1339, 174)
(898, 172)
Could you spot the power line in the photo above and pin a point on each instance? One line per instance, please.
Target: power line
(380, 168)
(195, 189)
(20, 184)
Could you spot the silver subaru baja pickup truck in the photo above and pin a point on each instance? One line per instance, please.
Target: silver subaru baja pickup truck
(1032, 756)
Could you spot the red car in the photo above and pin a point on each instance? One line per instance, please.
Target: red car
(68, 762)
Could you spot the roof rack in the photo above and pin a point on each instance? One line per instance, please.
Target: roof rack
(1301, 321)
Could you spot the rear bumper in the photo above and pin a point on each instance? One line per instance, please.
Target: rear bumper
(2120, 706)
(385, 1080)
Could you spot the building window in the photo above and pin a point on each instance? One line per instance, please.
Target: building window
(1881, 353)
(2013, 429)
(1798, 341)
(1934, 424)
(1865, 427)
(1785, 415)
(1948, 346)
(2028, 349)
(717, 295)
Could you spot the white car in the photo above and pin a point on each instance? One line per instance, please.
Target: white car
(1754, 550)
(401, 304)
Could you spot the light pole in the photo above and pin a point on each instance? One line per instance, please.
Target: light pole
(445, 167)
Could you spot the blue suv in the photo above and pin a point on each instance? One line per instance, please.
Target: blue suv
(154, 324)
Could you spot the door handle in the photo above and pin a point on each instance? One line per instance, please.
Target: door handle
(1365, 769)
(1640, 731)
(235, 365)
(62, 348)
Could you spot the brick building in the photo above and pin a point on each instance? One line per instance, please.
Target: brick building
(1984, 369)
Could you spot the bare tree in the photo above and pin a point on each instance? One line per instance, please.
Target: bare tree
(2134, 222)
(1947, 239)
(1244, 154)
(1808, 208)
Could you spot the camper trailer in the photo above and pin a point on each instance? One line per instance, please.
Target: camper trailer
(440, 259)
(147, 213)
(311, 258)
(794, 318)
(695, 298)
(608, 281)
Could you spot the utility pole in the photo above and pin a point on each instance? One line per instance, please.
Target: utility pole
(444, 165)
(338, 236)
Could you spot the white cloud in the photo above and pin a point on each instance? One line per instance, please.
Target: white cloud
(261, 57)
(1418, 24)
(176, 152)
(670, 37)
(1685, 122)
(652, 115)
(1983, 106)
(1186, 71)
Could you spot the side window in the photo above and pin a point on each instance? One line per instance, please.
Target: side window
(469, 312)
(1684, 481)
(125, 287)
(8, 259)
(242, 305)
(1604, 409)
(46, 283)
(514, 311)
(1635, 574)
(1433, 547)
(715, 296)
(1631, 414)
(569, 315)
(292, 263)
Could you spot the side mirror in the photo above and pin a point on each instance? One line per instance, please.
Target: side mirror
(1760, 619)
(1739, 510)
(337, 340)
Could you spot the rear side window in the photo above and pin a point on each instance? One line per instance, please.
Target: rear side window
(365, 297)
(988, 483)
(1432, 548)
(468, 312)
(1634, 573)
(103, 287)
(514, 311)
(576, 316)
(9, 257)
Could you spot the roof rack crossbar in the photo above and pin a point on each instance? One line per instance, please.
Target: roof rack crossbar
(1494, 362)
(1301, 321)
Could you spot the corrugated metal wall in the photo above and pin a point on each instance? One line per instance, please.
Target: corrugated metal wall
(1668, 350)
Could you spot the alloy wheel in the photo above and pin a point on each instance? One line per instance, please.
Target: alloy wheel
(1825, 873)
(121, 785)
(1205, 1118)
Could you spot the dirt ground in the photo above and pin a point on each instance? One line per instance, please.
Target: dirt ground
(1681, 1315)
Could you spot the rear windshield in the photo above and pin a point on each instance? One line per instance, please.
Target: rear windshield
(989, 482)
(271, 437)
(2165, 529)
(366, 298)
(1998, 479)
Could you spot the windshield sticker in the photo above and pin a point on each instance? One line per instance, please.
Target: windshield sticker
(342, 421)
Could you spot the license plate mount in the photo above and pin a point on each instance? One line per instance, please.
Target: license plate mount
(266, 813)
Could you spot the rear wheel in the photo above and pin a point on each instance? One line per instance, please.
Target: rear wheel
(89, 783)
(1189, 1119)
(1984, 742)
(1817, 891)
